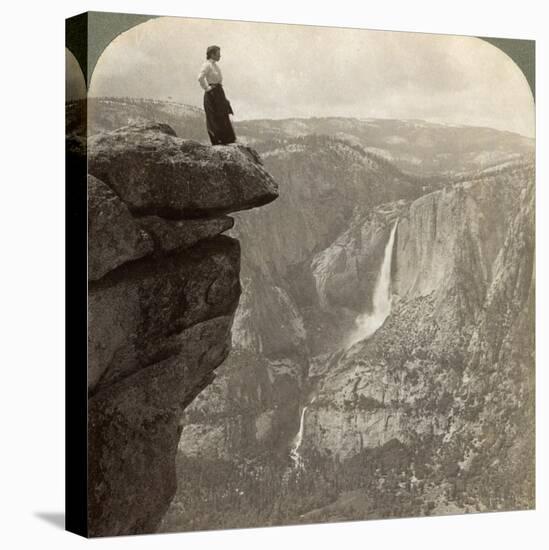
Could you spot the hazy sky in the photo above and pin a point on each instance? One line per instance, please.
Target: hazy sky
(280, 71)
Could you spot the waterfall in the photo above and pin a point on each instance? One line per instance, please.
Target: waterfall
(368, 323)
(294, 453)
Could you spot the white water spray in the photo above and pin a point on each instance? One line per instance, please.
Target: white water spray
(368, 323)
(294, 453)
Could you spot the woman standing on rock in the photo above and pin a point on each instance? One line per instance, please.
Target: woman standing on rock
(216, 105)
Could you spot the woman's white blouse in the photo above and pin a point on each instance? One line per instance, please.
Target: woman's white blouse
(210, 73)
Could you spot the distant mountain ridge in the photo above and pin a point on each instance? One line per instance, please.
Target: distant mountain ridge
(419, 147)
(106, 114)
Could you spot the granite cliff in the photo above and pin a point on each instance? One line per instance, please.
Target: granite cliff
(163, 289)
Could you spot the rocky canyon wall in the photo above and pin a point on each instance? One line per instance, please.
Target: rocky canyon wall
(462, 285)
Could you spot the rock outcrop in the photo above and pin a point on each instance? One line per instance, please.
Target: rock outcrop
(114, 237)
(163, 289)
(155, 172)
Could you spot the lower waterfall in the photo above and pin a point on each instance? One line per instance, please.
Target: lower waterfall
(294, 453)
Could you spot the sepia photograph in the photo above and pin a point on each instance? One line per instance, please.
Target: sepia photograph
(311, 272)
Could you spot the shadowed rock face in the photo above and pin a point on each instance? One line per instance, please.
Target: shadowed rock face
(162, 296)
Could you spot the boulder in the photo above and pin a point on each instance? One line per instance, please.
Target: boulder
(113, 236)
(138, 315)
(171, 235)
(133, 432)
(156, 173)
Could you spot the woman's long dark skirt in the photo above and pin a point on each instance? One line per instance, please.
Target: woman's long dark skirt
(217, 110)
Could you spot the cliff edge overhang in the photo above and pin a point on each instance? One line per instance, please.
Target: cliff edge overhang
(163, 287)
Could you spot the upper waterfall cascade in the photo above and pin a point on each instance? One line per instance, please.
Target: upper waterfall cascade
(368, 323)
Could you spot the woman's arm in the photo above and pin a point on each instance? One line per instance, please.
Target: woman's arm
(202, 76)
